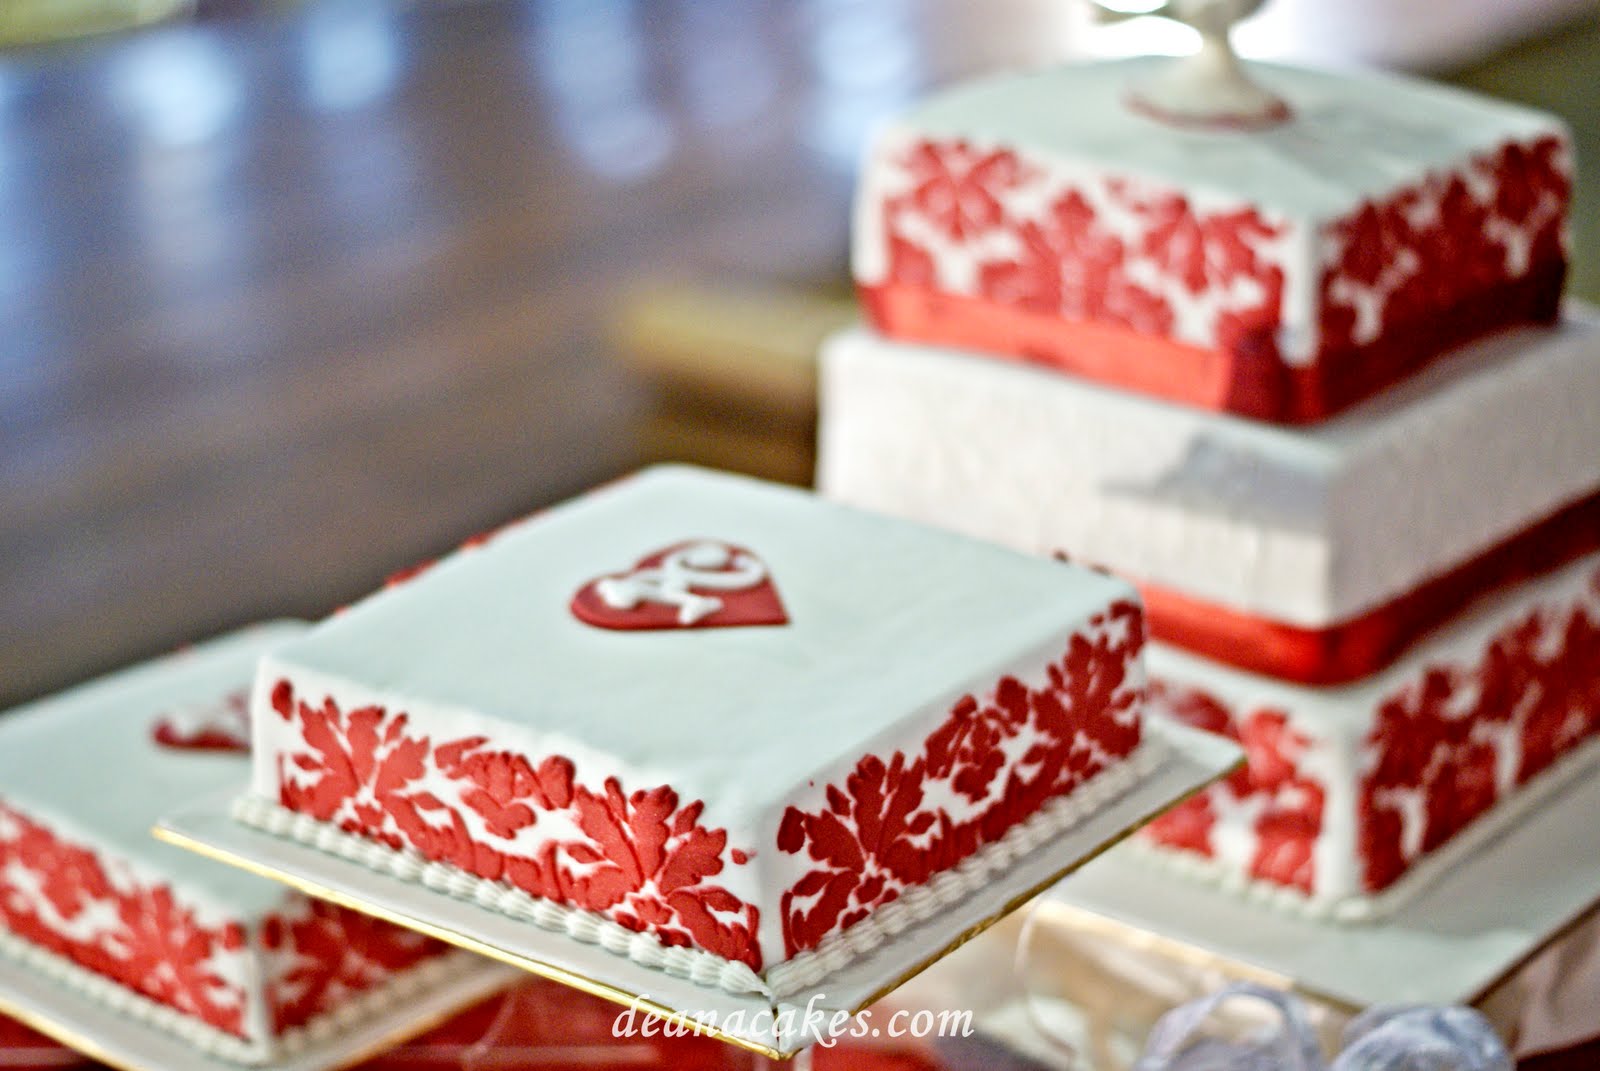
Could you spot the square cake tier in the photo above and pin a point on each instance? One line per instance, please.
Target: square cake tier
(1283, 273)
(1313, 554)
(1354, 797)
(241, 967)
(723, 728)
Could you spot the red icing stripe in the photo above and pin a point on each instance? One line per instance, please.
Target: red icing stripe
(1246, 376)
(1364, 645)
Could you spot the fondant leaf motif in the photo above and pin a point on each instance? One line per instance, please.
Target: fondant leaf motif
(639, 857)
(878, 834)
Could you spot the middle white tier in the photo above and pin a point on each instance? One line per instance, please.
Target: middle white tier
(1313, 553)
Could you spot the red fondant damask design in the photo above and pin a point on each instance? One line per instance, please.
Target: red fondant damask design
(1534, 696)
(321, 955)
(1288, 801)
(1432, 248)
(642, 858)
(958, 188)
(894, 823)
(60, 897)
(1442, 751)
(63, 898)
(1068, 260)
(986, 250)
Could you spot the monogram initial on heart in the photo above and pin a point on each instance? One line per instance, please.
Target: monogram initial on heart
(702, 583)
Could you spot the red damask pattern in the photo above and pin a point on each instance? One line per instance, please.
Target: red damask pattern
(1439, 742)
(61, 897)
(138, 935)
(1071, 261)
(887, 827)
(322, 954)
(1437, 748)
(984, 249)
(1432, 247)
(1289, 802)
(642, 858)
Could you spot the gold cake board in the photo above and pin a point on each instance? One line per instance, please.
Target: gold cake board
(1187, 761)
(1452, 942)
(103, 1034)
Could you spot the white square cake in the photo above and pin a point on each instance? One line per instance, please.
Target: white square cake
(723, 728)
(1312, 554)
(241, 967)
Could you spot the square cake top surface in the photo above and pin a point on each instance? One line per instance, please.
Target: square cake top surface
(1353, 136)
(87, 764)
(884, 620)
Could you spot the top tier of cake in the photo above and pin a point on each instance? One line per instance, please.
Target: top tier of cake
(722, 715)
(1282, 273)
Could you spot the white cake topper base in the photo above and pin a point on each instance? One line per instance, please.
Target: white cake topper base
(1449, 945)
(111, 1038)
(1191, 760)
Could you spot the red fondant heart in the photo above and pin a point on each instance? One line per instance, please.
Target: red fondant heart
(220, 726)
(699, 583)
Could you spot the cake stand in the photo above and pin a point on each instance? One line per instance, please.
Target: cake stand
(1185, 760)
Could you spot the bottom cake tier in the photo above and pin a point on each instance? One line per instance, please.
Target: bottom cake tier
(240, 967)
(1353, 798)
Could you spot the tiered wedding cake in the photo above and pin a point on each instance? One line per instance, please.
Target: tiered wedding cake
(1301, 374)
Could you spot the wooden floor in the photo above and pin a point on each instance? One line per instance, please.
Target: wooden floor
(256, 355)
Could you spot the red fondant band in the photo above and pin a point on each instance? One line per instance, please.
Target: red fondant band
(1366, 644)
(1244, 375)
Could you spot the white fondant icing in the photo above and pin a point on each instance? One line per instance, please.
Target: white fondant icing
(746, 720)
(1354, 135)
(704, 968)
(1335, 723)
(1306, 526)
(682, 578)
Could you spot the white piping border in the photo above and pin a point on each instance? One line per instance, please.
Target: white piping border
(797, 973)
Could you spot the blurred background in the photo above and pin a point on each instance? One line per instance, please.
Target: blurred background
(293, 295)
